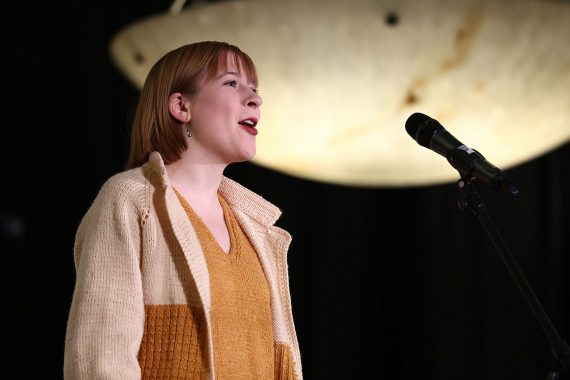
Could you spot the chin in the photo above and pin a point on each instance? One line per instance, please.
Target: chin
(249, 157)
(249, 153)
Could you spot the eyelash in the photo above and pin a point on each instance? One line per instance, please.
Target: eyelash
(234, 83)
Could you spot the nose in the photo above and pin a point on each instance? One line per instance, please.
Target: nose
(253, 99)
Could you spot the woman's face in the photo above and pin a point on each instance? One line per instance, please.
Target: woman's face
(223, 117)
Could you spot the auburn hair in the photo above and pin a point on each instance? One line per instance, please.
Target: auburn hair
(180, 70)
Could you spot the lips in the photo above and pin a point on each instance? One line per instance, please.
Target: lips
(249, 125)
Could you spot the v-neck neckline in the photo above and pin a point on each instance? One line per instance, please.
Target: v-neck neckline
(229, 221)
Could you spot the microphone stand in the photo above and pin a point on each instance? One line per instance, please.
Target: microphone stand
(470, 200)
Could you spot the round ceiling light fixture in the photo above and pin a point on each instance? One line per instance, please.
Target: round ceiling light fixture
(340, 78)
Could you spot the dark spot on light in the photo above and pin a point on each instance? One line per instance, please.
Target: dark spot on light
(392, 19)
(138, 57)
(411, 98)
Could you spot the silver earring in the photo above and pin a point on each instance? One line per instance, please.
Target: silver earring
(188, 131)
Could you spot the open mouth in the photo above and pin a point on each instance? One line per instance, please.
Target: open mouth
(249, 125)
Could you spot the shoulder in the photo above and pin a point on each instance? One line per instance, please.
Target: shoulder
(128, 189)
(131, 190)
(129, 183)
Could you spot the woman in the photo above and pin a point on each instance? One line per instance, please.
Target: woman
(180, 270)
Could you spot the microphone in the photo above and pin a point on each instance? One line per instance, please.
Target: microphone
(468, 162)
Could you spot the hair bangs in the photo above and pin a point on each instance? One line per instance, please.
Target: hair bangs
(241, 61)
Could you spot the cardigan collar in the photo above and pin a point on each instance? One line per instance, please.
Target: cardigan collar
(236, 195)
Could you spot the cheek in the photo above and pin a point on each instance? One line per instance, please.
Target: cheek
(205, 114)
(214, 112)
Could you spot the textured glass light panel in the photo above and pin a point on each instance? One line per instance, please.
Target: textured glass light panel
(340, 78)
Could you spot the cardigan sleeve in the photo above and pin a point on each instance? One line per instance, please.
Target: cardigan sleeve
(106, 319)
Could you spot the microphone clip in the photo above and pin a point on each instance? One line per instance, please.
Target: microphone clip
(472, 165)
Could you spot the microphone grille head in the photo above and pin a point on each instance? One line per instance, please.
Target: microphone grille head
(421, 128)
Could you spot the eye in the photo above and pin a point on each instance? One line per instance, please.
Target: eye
(254, 89)
(232, 83)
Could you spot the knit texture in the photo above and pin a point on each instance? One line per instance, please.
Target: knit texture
(284, 366)
(241, 312)
(172, 347)
(142, 293)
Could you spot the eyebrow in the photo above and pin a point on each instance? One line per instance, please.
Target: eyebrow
(228, 73)
(234, 73)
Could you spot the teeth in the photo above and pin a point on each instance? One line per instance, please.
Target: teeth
(248, 122)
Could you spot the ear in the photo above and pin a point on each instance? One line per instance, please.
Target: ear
(179, 107)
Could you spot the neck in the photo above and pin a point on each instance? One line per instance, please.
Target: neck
(196, 177)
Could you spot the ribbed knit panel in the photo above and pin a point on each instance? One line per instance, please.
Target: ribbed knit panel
(284, 366)
(241, 312)
(170, 347)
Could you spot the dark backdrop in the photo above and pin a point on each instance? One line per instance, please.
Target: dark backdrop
(386, 282)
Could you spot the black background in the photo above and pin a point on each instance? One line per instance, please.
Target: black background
(386, 282)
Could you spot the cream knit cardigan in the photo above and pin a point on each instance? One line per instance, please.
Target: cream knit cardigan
(124, 260)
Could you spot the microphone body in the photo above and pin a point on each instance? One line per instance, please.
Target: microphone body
(468, 162)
